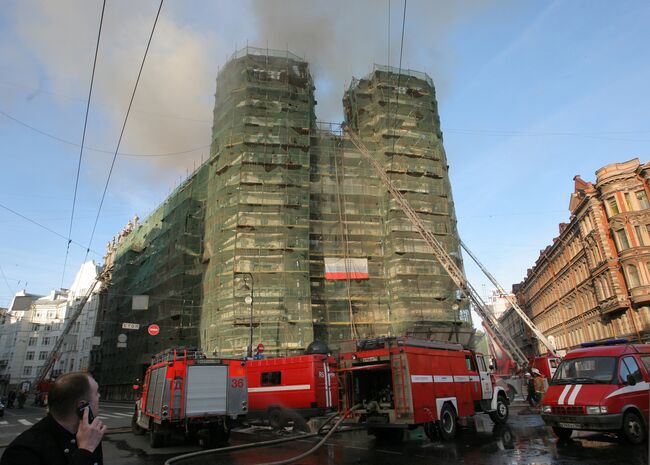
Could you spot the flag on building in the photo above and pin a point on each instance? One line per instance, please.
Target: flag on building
(346, 268)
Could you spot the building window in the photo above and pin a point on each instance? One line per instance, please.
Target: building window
(633, 276)
(628, 201)
(613, 207)
(27, 371)
(45, 341)
(29, 355)
(42, 355)
(32, 341)
(623, 243)
(639, 235)
(35, 326)
(642, 198)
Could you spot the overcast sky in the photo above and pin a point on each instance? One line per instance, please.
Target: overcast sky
(530, 94)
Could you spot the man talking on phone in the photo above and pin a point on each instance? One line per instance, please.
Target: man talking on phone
(70, 434)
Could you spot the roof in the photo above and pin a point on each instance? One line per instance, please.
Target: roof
(608, 350)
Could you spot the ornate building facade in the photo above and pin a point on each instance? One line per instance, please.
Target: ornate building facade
(593, 282)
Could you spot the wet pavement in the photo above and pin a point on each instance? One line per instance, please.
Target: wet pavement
(525, 440)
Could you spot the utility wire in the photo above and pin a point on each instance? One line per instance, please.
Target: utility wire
(126, 118)
(12, 291)
(83, 140)
(47, 229)
(94, 149)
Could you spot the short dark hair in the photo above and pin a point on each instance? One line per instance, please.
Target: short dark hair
(66, 393)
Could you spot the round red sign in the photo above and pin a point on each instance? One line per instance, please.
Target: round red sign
(260, 348)
(153, 329)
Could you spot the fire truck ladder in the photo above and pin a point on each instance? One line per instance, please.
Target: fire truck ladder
(71, 322)
(445, 260)
(512, 302)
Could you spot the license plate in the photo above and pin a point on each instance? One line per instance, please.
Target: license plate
(569, 425)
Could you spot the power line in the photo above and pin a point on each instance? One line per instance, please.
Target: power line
(126, 118)
(95, 149)
(83, 140)
(47, 229)
(12, 291)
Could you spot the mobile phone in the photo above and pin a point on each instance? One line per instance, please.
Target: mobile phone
(80, 411)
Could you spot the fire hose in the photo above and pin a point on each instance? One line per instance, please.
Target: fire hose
(252, 445)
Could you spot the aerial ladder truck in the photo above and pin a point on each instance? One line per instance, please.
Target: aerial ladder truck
(490, 322)
(42, 383)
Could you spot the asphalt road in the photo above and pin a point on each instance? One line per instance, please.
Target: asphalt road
(525, 440)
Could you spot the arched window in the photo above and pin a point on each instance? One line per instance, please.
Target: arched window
(633, 276)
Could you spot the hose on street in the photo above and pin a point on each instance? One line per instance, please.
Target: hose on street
(252, 445)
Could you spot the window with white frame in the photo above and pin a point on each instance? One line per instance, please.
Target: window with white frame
(633, 276)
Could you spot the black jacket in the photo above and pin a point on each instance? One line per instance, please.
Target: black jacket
(49, 443)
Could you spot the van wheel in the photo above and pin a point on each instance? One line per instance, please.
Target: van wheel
(500, 415)
(563, 434)
(633, 428)
(135, 428)
(156, 438)
(447, 423)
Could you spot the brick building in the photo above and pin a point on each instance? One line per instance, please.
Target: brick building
(592, 283)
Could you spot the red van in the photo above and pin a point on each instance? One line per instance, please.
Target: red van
(603, 387)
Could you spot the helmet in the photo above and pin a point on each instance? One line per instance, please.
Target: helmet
(536, 371)
(527, 375)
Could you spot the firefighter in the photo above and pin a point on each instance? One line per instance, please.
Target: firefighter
(539, 385)
(530, 385)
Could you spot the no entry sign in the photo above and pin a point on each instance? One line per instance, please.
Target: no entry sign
(153, 329)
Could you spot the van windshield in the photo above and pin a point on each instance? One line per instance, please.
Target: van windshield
(587, 370)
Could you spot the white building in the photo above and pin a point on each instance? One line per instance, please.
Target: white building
(32, 326)
(498, 302)
(75, 353)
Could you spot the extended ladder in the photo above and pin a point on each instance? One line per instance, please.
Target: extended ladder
(445, 260)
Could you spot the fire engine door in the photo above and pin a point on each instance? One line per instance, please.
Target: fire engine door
(486, 381)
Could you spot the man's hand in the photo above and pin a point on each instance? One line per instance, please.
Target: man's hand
(90, 435)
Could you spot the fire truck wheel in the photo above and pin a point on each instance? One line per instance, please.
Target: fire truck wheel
(277, 419)
(563, 434)
(135, 428)
(431, 431)
(500, 415)
(156, 437)
(447, 423)
(633, 428)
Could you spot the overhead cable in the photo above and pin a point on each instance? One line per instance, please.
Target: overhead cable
(83, 140)
(126, 118)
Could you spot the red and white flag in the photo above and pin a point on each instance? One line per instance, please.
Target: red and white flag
(342, 268)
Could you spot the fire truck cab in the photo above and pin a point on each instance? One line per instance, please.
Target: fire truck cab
(601, 387)
(185, 392)
(287, 389)
(405, 382)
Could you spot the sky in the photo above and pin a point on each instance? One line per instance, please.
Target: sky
(530, 94)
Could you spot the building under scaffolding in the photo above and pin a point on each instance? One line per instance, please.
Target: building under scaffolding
(161, 259)
(286, 233)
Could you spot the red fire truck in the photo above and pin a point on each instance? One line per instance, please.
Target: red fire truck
(603, 387)
(185, 392)
(292, 388)
(404, 382)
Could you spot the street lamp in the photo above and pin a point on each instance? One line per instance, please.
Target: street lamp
(248, 284)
